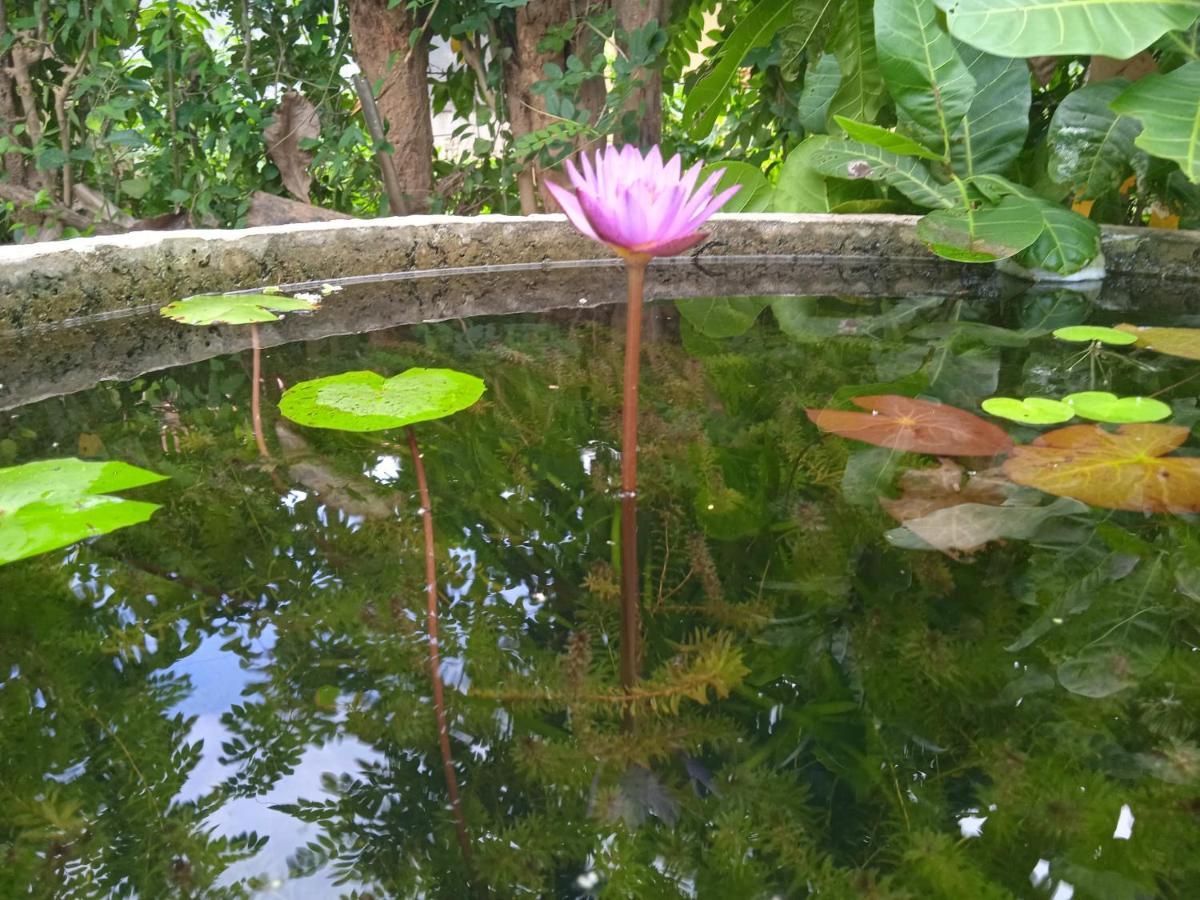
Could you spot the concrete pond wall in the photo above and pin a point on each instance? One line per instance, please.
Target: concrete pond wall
(79, 311)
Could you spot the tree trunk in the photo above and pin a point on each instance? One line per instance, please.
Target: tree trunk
(527, 110)
(379, 35)
(645, 102)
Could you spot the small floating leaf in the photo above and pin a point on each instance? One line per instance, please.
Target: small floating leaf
(1125, 469)
(234, 309)
(366, 401)
(1101, 406)
(1030, 411)
(1090, 333)
(1184, 342)
(920, 426)
(55, 502)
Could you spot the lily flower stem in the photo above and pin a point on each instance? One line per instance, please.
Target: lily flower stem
(435, 662)
(631, 626)
(255, 405)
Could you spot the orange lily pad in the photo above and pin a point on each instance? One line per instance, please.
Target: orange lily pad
(1184, 342)
(917, 426)
(1123, 469)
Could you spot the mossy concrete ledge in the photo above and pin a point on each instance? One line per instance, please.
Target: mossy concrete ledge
(43, 284)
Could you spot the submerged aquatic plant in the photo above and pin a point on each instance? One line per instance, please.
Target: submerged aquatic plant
(642, 208)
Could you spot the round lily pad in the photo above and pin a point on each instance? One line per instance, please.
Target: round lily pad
(53, 503)
(366, 401)
(1030, 411)
(1101, 406)
(234, 309)
(1091, 333)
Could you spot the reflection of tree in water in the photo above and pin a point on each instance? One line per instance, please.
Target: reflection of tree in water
(820, 709)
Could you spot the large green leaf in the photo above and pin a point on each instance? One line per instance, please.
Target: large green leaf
(1020, 28)
(985, 234)
(234, 309)
(801, 188)
(1091, 146)
(1168, 107)
(721, 317)
(993, 132)
(1068, 241)
(860, 93)
(366, 401)
(756, 29)
(884, 139)
(854, 160)
(755, 195)
(810, 24)
(922, 70)
(55, 502)
(821, 80)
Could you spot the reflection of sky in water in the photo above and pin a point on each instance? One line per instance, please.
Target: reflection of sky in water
(219, 681)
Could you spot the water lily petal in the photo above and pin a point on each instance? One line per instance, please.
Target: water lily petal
(676, 246)
(603, 220)
(570, 205)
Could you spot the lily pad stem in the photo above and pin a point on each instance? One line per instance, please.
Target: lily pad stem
(631, 626)
(255, 405)
(435, 662)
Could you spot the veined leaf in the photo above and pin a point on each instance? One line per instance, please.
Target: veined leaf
(985, 234)
(993, 132)
(919, 426)
(755, 195)
(854, 160)
(1125, 469)
(811, 20)
(884, 139)
(801, 188)
(1091, 146)
(1022, 28)
(53, 503)
(860, 93)
(821, 81)
(234, 309)
(1168, 106)
(366, 401)
(756, 29)
(921, 68)
(721, 317)
(1067, 242)
(1182, 342)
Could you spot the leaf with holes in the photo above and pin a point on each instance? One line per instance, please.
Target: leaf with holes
(985, 234)
(1101, 406)
(1022, 28)
(1183, 342)
(54, 503)
(1123, 469)
(855, 160)
(234, 309)
(918, 426)
(366, 401)
(1030, 411)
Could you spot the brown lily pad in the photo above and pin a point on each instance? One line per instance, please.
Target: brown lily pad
(1123, 469)
(917, 426)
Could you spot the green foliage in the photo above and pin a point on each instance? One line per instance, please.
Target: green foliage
(53, 503)
(366, 401)
(234, 309)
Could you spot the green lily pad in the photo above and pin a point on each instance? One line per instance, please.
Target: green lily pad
(1030, 411)
(1101, 406)
(366, 401)
(234, 309)
(53, 503)
(1090, 333)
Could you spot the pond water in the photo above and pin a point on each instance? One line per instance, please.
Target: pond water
(233, 699)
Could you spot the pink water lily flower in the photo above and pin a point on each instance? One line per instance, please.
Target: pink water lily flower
(639, 206)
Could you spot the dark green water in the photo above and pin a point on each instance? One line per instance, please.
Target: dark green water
(233, 700)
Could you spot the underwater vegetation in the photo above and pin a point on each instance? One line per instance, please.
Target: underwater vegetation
(853, 652)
